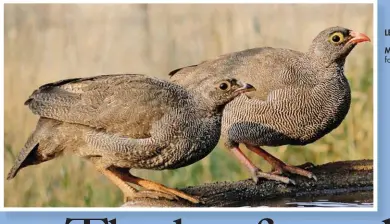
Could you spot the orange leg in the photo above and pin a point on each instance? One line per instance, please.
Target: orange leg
(279, 166)
(150, 185)
(124, 176)
(256, 172)
(117, 179)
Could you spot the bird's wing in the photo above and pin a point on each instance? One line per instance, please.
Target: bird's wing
(205, 63)
(120, 104)
(222, 62)
(265, 68)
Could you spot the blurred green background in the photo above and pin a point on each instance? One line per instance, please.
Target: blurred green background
(45, 43)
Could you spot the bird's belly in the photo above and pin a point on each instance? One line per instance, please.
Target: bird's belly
(193, 153)
(175, 156)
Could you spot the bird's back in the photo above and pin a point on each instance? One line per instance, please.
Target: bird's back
(121, 104)
(266, 68)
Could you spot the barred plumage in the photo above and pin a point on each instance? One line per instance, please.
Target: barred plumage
(120, 122)
(300, 97)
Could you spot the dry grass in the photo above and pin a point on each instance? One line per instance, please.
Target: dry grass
(44, 43)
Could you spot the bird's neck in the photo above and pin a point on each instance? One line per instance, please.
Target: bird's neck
(209, 110)
(325, 68)
(205, 107)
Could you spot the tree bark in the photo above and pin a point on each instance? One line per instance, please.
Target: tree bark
(335, 178)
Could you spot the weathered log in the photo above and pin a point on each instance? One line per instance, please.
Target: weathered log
(334, 178)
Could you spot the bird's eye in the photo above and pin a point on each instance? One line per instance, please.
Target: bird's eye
(224, 85)
(336, 38)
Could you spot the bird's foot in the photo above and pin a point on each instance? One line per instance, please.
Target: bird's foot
(128, 191)
(152, 195)
(257, 173)
(281, 168)
(172, 194)
(153, 186)
(116, 178)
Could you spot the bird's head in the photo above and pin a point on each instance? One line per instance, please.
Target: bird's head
(335, 43)
(219, 91)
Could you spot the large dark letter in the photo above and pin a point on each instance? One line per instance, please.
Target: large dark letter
(269, 221)
(88, 221)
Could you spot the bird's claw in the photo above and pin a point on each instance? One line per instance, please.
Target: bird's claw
(298, 170)
(257, 173)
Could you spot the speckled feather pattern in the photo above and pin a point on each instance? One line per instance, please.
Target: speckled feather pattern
(299, 97)
(127, 121)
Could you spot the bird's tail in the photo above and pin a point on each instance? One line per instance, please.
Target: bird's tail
(30, 155)
(25, 157)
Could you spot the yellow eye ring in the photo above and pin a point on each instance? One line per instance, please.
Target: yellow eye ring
(336, 38)
(225, 85)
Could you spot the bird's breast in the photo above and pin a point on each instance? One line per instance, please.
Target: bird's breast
(198, 143)
(190, 142)
(293, 115)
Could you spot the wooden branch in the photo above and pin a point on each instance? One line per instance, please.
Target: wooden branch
(333, 178)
